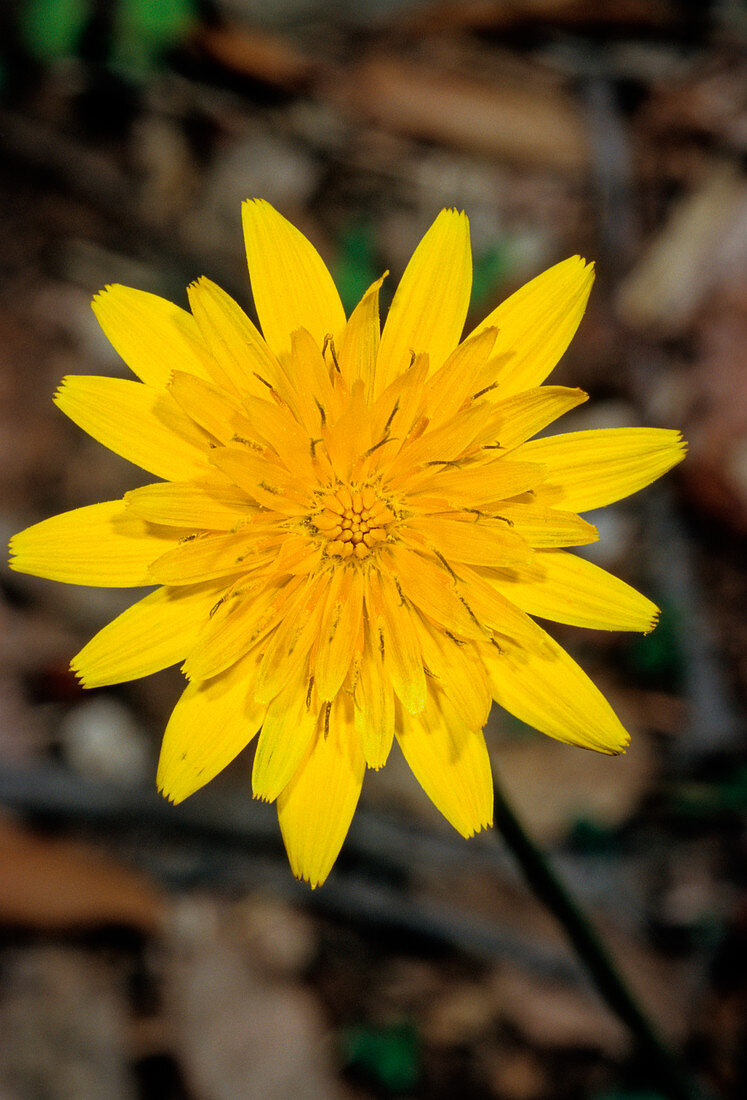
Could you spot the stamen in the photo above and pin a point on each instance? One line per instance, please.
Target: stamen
(329, 342)
(270, 387)
(486, 389)
(469, 611)
(392, 415)
(445, 563)
(376, 446)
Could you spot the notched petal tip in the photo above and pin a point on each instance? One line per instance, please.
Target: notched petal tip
(453, 212)
(110, 288)
(312, 883)
(78, 672)
(621, 749)
(653, 622)
(62, 386)
(163, 790)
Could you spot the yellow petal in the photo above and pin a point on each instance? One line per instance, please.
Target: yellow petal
(474, 486)
(309, 390)
(430, 305)
(402, 403)
(208, 504)
(454, 382)
(590, 469)
(475, 541)
(210, 725)
(241, 358)
(546, 527)
(537, 323)
(569, 589)
(451, 763)
(458, 670)
(545, 688)
(338, 631)
(374, 709)
(270, 422)
(359, 345)
(317, 806)
(432, 589)
(153, 336)
(263, 478)
(288, 648)
(286, 732)
(202, 557)
(103, 544)
(298, 555)
(156, 632)
(445, 443)
(142, 424)
(310, 373)
(242, 619)
(494, 611)
(394, 633)
(348, 438)
(291, 285)
(208, 405)
(520, 417)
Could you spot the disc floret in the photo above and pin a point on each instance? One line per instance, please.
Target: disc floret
(353, 520)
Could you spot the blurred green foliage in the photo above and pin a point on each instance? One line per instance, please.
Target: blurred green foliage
(50, 29)
(703, 800)
(389, 1055)
(658, 658)
(144, 31)
(355, 266)
(490, 270)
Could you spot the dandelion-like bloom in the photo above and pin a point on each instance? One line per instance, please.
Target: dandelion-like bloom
(354, 530)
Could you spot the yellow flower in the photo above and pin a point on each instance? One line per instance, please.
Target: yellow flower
(353, 527)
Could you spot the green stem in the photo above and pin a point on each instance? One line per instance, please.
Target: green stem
(672, 1077)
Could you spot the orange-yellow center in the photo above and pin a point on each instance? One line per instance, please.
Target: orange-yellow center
(353, 521)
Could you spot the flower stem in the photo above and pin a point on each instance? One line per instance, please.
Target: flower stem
(672, 1077)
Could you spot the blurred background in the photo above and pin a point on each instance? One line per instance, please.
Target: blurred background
(157, 953)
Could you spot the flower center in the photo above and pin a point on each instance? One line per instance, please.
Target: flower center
(353, 521)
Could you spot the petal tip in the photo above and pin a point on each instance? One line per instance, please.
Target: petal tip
(167, 790)
(312, 878)
(653, 621)
(478, 827)
(62, 386)
(78, 672)
(106, 294)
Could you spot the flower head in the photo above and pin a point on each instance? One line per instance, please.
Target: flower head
(354, 529)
